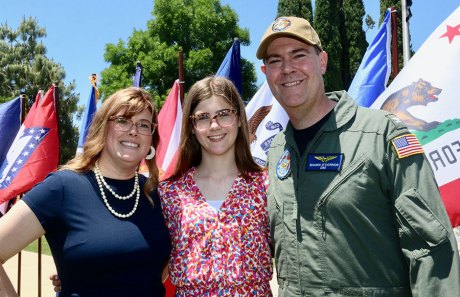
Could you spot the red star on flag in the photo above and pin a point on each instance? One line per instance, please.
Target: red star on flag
(451, 32)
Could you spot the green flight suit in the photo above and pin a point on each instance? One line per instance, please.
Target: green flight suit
(370, 224)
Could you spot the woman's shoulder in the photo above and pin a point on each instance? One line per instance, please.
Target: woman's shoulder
(164, 185)
(55, 186)
(65, 176)
(258, 176)
(179, 181)
(155, 196)
(142, 178)
(257, 181)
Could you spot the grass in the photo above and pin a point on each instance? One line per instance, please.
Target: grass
(33, 247)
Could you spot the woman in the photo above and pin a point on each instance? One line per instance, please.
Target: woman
(215, 204)
(102, 219)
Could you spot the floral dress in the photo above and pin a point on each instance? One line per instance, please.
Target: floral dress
(223, 252)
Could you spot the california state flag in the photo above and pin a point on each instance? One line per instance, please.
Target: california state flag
(426, 96)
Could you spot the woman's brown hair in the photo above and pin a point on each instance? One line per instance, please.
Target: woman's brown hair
(133, 100)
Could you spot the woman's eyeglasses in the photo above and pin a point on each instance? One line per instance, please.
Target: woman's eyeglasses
(123, 124)
(224, 118)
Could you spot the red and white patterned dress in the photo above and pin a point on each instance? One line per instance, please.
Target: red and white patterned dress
(223, 252)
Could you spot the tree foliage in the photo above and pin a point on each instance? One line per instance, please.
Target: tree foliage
(327, 24)
(353, 38)
(24, 68)
(370, 23)
(298, 8)
(339, 23)
(203, 29)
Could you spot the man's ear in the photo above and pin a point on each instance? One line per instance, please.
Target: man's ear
(263, 68)
(323, 61)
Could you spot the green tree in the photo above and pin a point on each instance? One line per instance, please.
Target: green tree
(370, 23)
(298, 8)
(203, 29)
(24, 68)
(353, 38)
(385, 4)
(327, 23)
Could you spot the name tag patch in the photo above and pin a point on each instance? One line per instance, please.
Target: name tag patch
(324, 162)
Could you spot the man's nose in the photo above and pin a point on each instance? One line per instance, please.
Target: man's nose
(287, 66)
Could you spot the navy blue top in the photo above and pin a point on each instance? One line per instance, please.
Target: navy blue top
(96, 253)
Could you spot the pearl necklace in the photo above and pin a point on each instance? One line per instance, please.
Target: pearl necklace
(136, 184)
(100, 180)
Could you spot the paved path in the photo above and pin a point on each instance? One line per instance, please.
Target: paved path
(274, 283)
(29, 274)
(457, 235)
(29, 284)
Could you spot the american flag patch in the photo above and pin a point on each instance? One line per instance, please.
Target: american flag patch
(407, 145)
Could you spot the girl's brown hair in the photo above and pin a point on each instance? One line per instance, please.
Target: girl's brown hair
(189, 147)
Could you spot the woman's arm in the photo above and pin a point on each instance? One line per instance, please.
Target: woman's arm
(18, 228)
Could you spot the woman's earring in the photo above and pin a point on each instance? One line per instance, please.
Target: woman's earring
(151, 154)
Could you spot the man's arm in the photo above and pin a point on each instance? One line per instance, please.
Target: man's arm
(426, 235)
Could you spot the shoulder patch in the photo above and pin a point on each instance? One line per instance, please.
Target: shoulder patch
(407, 145)
(283, 168)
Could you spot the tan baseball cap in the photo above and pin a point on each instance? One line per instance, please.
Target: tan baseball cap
(291, 27)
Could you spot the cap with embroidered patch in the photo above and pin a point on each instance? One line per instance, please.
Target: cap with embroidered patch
(290, 27)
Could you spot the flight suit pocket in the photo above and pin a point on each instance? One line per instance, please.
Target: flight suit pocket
(276, 213)
(419, 227)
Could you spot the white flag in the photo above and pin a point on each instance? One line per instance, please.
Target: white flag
(266, 118)
(425, 95)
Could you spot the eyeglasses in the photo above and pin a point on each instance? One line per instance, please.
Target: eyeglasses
(224, 118)
(123, 124)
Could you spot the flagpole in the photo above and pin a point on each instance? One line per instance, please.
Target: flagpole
(137, 82)
(23, 107)
(405, 31)
(56, 110)
(23, 116)
(39, 243)
(181, 75)
(394, 42)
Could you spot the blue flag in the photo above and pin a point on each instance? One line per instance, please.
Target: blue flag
(88, 115)
(10, 121)
(138, 76)
(372, 76)
(231, 66)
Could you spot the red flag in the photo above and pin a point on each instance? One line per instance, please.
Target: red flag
(169, 126)
(170, 288)
(34, 152)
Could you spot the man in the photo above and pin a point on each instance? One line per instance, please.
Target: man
(353, 203)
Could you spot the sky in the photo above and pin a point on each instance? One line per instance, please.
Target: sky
(77, 31)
